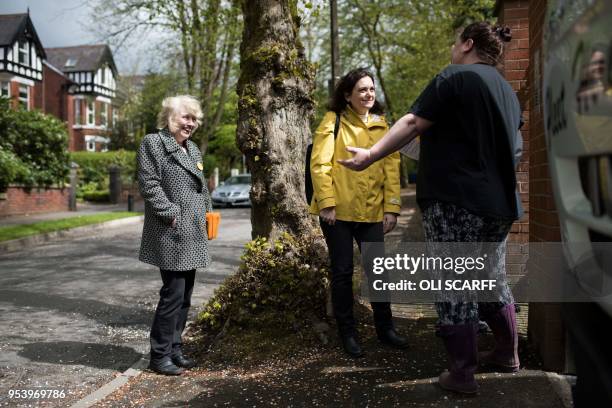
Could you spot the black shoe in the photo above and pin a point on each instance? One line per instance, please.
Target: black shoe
(181, 361)
(391, 338)
(351, 346)
(165, 366)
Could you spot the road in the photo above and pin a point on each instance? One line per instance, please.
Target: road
(77, 311)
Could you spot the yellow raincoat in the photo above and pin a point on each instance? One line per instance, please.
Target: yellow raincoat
(358, 196)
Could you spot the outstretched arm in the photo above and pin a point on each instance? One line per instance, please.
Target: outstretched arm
(402, 132)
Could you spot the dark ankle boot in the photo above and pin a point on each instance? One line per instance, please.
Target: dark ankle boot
(165, 366)
(181, 361)
(462, 348)
(391, 338)
(505, 353)
(351, 346)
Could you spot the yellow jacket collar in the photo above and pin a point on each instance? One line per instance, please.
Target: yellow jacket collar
(353, 117)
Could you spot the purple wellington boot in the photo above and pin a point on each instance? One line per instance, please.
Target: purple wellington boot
(462, 347)
(505, 353)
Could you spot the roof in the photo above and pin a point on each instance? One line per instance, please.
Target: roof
(57, 70)
(13, 25)
(81, 57)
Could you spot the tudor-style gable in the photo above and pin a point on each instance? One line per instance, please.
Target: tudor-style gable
(21, 52)
(92, 67)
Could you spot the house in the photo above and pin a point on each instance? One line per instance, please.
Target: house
(75, 84)
(93, 113)
(21, 61)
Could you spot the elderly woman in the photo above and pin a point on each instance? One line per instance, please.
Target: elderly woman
(174, 235)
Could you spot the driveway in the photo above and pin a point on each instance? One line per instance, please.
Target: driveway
(76, 312)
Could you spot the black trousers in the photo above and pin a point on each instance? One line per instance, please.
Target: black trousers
(171, 313)
(339, 238)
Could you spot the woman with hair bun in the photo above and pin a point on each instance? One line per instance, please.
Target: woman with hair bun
(469, 119)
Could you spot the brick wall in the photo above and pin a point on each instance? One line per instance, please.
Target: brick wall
(516, 61)
(546, 330)
(37, 200)
(56, 93)
(523, 69)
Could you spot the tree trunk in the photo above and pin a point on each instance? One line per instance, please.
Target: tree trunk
(274, 112)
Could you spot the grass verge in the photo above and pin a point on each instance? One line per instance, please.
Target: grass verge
(20, 231)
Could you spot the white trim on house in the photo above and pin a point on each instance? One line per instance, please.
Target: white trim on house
(89, 127)
(25, 100)
(90, 113)
(91, 140)
(8, 88)
(22, 81)
(103, 99)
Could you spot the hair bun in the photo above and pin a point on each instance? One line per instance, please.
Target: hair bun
(504, 33)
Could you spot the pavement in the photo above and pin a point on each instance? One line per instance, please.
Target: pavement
(75, 312)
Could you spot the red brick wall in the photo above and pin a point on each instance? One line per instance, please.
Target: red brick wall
(56, 93)
(523, 69)
(516, 61)
(21, 201)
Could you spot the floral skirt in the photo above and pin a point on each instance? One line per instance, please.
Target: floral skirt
(446, 222)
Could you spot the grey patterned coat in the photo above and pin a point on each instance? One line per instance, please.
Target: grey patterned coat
(173, 186)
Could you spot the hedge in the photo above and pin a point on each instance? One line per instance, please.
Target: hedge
(94, 166)
(34, 148)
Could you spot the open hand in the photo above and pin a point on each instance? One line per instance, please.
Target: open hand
(389, 222)
(328, 215)
(362, 158)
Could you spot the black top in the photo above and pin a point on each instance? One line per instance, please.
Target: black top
(469, 155)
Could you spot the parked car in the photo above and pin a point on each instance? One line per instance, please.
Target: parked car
(233, 192)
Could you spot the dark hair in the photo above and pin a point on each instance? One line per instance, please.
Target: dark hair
(345, 86)
(488, 40)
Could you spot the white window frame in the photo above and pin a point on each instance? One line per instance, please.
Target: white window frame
(103, 114)
(25, 100)
(90, 143)
(78, 117)
(25, 52)
(91, 113)
(115, 116)
(5, 85)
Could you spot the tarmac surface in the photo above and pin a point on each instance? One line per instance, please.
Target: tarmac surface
(76, 312)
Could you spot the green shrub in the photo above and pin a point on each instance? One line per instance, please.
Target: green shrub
(93, 166)
(280, 284)
(11, 169)
(38, 141)
(97, 196)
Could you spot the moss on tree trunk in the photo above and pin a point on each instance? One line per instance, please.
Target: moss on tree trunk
(275, 107)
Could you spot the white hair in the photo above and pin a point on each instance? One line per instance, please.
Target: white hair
(175, 105)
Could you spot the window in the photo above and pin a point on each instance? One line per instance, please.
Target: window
(70, 62)
(24, 53)
(24, 96)
(90, 143)
(5, 89)
(91, 113)
(103, 114)
(77, 112)
(115, 116)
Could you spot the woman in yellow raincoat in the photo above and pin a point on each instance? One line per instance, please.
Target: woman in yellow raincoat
(354, 205)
